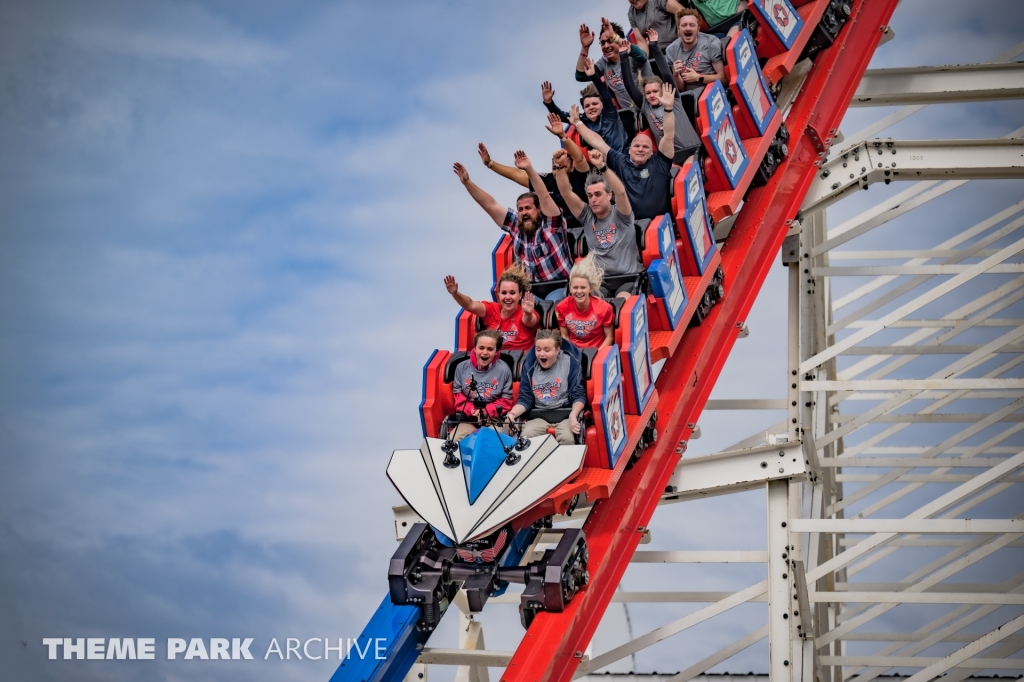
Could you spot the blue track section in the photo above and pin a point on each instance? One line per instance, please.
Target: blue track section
(393, 628)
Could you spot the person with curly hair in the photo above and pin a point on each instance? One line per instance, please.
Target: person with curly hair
(513, 315)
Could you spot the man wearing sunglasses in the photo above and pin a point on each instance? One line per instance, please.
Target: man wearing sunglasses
(609, 68)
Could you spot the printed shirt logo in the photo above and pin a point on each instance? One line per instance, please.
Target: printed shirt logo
(548, 390)
(580, 328)
(605, 234)
(509, 335)
(645, 173)
(613, 79)
(485, 391)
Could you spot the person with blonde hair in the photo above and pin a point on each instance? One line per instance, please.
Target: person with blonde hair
(513, 315)
(583, 317)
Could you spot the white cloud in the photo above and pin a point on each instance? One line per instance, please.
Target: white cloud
(222, 276)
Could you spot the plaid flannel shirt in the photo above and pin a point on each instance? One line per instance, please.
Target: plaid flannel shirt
(545, 253)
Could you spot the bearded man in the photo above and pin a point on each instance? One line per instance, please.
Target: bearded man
(540, 242)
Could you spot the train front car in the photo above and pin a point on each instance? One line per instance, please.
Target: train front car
(483, 500)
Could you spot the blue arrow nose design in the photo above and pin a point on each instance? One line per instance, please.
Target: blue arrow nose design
(483, 453)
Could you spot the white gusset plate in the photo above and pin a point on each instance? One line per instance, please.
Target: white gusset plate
(439, 494)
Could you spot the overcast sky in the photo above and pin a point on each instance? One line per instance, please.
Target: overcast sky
(225, 226)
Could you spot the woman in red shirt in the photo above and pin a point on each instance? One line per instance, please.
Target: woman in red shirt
(583, 318)
(513, 315)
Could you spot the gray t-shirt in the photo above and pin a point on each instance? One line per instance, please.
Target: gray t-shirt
(551, 386)
(707, 51)
(686, 137)
(654, 15)
(613, 80)
(612, 240)
(491, 383)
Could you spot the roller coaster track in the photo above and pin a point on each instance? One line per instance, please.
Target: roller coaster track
(553, 646)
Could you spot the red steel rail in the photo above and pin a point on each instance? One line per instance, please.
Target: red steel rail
(552, 648)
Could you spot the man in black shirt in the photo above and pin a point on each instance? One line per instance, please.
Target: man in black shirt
(646, 173)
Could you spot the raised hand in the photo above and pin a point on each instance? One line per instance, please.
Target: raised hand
(451, 285)
(522, 161)
(606, 27)
(554, 126)
(586, 36)
(461, 171)
(596, 158)
(574, 115)
(560, 161)
(623, 45)
(485, 156)
(528, 303)
(652, 35)
(668, 96)
(547, 92)
(589, 68)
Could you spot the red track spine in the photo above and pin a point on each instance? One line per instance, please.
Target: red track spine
(552, 648)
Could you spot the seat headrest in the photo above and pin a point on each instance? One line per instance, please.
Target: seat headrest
(587, 361)
(512, 358)
(454, 361)
(617, 303)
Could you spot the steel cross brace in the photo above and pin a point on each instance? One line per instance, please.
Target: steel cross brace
(553, 646)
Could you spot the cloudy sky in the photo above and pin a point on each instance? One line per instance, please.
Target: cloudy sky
(224, 229)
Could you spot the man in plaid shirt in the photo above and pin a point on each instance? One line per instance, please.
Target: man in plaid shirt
(539, 238)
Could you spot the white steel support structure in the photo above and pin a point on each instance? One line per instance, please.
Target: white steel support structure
(924, 442)
(904, 415)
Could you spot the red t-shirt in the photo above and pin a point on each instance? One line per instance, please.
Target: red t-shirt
(516, 334)
(586, 329)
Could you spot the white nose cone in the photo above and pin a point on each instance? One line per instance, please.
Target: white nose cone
(483, 492)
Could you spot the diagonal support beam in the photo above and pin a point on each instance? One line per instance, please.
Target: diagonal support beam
(929, 510)
(916, 304)
(721, 655)
(675, 627)
(974, 648)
